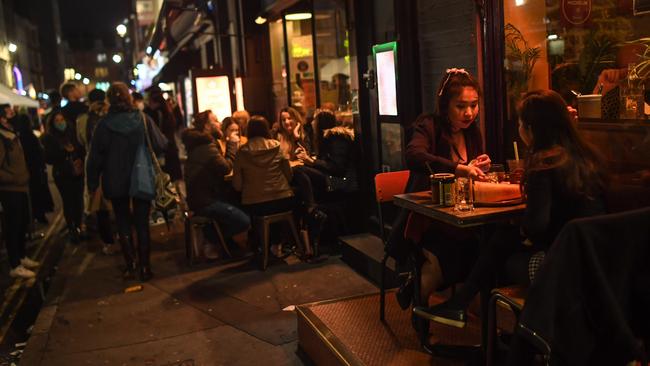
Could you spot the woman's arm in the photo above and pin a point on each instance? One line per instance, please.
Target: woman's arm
(537, 216)
(417, 151)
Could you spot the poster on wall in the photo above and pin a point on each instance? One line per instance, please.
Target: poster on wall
(576, 12)
(641, 7)
(213, 92)
(386, 64)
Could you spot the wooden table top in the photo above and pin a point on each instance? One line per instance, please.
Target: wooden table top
(420, 202)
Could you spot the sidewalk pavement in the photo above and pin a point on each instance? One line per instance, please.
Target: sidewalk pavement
(223, 313)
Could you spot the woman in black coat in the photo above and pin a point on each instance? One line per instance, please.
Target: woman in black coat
(66, 155)
(112, 155)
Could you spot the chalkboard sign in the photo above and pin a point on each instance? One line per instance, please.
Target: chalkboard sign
(641, 7)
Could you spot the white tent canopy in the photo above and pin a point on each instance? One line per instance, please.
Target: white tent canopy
(8, 96)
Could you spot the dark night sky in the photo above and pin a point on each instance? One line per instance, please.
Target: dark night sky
(83, 21)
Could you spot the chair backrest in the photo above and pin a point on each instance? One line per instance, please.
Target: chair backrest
(387, 185)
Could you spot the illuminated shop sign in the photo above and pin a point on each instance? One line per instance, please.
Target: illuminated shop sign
(213, 92)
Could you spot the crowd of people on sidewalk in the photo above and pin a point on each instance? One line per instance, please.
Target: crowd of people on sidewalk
(236, 169)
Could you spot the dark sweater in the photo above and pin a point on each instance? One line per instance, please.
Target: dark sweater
(549, 207)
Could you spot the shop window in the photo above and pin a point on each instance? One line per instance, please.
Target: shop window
(598, 47)
(333, 47)
(301, 61)
(278, 66)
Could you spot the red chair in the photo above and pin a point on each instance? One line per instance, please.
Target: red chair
(387, 185)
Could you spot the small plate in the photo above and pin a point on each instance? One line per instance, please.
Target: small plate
(512, 202)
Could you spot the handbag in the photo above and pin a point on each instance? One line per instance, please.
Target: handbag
(166, 197)
(143, 182)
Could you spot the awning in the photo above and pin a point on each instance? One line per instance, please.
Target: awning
(8, 96)
(180, 64)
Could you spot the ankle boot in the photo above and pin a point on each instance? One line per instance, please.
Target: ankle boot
(145, 268)
(128, 251)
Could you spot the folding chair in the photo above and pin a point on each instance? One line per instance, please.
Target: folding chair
(387, 185)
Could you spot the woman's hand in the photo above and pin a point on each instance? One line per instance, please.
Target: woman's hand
(302, 155)
(234, 136)
(296, 131)
(69, 148)
(482, 162)
(470, 171)
(573, 113)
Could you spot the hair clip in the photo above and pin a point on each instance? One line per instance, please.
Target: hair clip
(449, 72)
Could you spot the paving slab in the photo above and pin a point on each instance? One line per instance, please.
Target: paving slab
(223, 345)
(123, 319)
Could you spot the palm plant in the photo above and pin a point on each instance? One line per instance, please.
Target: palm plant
(522, 59)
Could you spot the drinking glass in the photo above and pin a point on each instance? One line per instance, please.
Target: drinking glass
(463, 194)
(498, 172)
(516, 169)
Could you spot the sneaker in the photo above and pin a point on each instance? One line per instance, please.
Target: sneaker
(210, 251)
(444, 314)
(22, 272)
(29, 263)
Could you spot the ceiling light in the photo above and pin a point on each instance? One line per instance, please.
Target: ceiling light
(117, 58)
(298, 16)
(260, 20)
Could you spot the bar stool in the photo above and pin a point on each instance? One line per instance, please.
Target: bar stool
(263, 224)
(194, 225)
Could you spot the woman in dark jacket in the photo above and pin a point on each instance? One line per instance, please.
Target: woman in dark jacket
(207, 191)
(113, 149)
(63, 151)
(563, 181)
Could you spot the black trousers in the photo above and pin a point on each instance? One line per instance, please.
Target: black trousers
(104, 226)
(311, 184)
(134, 213)
(72, 195)
(15, 206)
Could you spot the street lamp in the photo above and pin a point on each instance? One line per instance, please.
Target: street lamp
(77, 76)
(86, 81)
(117, 58)
(12, 47)
(121, 30)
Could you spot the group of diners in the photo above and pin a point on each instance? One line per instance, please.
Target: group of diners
(563, 180)
(242, 167)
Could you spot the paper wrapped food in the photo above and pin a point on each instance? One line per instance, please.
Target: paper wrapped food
(495, 192)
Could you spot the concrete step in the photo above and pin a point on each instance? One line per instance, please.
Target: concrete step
(364, 252)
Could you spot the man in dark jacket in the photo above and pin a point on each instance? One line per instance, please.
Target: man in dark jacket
(205, 170)
(14, 185)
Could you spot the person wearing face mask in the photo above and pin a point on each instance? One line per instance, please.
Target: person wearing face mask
(66, 155)
(207, 191)
(447, 141)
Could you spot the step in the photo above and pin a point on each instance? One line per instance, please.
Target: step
(364, 253)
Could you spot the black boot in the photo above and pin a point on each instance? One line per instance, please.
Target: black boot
(315, 221)
(129, 257)
(145, 268)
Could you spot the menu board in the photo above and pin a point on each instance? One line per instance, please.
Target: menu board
(213, 92)
(386, 64)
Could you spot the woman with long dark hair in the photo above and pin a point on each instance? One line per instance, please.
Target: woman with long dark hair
(447, 141)
(66, 155)
(112, 155)
(563, 181)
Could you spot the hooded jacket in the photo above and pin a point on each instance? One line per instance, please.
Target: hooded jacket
(261, 172)
(336, 155)
(205, 169)
(62, 161)
(112, 152)
(14, 176)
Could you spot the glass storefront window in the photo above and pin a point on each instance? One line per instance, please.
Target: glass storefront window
(278, 66)
(301, 61)
(596, 54)
(575, 47)
(333, 43)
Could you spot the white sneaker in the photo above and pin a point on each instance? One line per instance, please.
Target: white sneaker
(29, 263)
(210, 251)
(22, 272)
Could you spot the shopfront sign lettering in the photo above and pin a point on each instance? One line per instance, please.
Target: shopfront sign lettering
(576, 12)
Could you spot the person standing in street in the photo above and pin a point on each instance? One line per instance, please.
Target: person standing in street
(74, 107)
(66, 155)
(14, 185)
(163, 115)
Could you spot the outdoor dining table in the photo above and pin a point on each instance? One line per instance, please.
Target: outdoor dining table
(421, 203)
